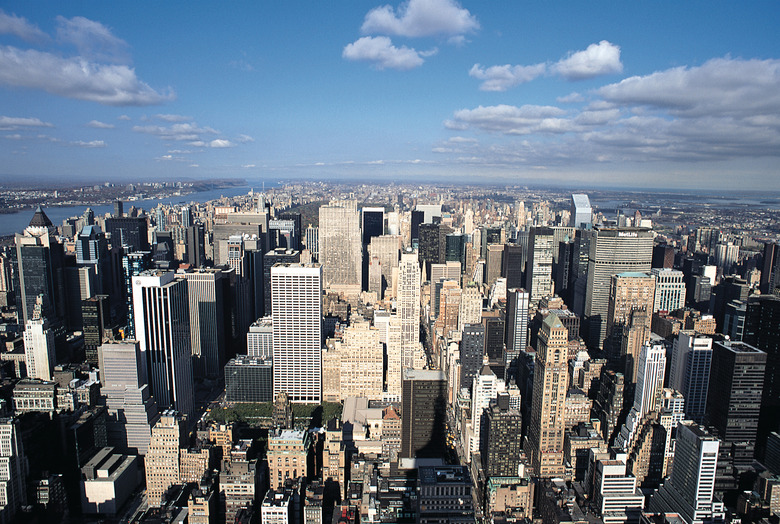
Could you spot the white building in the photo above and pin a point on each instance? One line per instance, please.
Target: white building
(296, 297)
(39, 352)
(669, 289)
(260, 338)
(689, 371)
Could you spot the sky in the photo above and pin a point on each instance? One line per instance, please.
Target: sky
(586, 94)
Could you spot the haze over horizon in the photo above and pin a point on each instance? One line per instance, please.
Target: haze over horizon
(588, 94)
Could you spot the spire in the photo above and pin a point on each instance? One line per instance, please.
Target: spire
(40, 219)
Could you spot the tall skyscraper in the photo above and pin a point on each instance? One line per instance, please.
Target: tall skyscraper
(689, 371)
(514, 265)
(209, 320)
(340, 247)
(387, 249)
(296, 297)
(516, 321)
(131, 408)
(408, 305)
(538, 278)
(423, 413)
(734, 396)
(196, 245)
(669, 289)
(39, 351)
(433, 244)
(275, 256)
(133, 264)
(372, 224)
(502, 440)
(95, 314)
(129, 231)
(581, 212)
(610, 251)
(162, 327)
(629, 292)
(770, 272)
(690, 490)
(546, 427)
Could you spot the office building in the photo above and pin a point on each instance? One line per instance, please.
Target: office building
(386, 249)
(207, 292)
(39, 350)
(195, 238)
(516, 321)
(433, 244)
(129, 232)
(689, 371)
(502, 442)
(485, 388)
(423, 413)
(581, 214)
(690, 490)
(444, 495)
(162, 460)
(610, 251)
(472, 349)
(630, 292)
(669, 289)
(408, 307)
(95, 315)
(372, 223)
(162, 328)
(312, 242)
(107, 481)
(131, 409)
(248, 379)
(340, 247)
(546, 427)
(275, 256)
(734, 396)
(288, 452)
(538, 278)
(260, 338)
(296, 297)
(14, 470)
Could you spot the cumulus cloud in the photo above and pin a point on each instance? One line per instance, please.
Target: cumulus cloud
(382, 54)
(416, 18)
(99, 125)
(724, 110)
(123, 117)
(91, 144)
(598, 59)
(16, 25)
(245, 139)
(500, 78)
(92, 39)
(75, 77)
(571, 98)
(220, 143)
(9, 123)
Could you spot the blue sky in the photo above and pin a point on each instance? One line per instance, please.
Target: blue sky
(637, 94)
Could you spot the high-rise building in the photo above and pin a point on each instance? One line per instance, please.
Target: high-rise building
(296, 298)
(502, 441)
(444, 495)
(386, 248)
(516, 321)
(312, 242)
(196, 245)
(689, 371)
(690, 490)
(248, 379)
(581, 212)
(340, 247)
(610, 251)
(472, 348)
(538, 278)
(162, 327)
(663, 256)
(40, 268)
(770, 272)
(514, 265)
(132, 232)
(372, 224)
(493, 263)
(162, 460)
(131, 409)
(408, 307)
(95, 314)
(133, 264)
(546, 427)
(40, 354)
(275, 256)
(485, 388)
(423, 413)
(209, 318)
(669, 289)
(470, 306)
(734, 396)
(433, 244)
(260, 338)
(14, 470)
(629, 292)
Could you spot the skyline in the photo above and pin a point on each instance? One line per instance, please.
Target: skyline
(681, 96)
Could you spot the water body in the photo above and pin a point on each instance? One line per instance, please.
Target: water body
(11, 223)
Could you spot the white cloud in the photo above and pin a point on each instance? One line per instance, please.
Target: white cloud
(15, 136)
(185, 131)
(99, 125)
(461, 140)
(77, 78)
(123, 117)
(220, 143)
(91, 144)
(598, 59)
(381, 52)
(571, 98)
(20, 27)
(173, 118)
(514, 120)
(416, 18)
(9, 123)
(248, 166)
(92, 40)
(245, 139)
(500, 78)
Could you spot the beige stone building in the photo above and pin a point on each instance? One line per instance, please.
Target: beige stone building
(162, 459)
(288, 452)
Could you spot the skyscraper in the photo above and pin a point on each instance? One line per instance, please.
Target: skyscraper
(372, 224)
(423, 413)
(13, 468)
(629, 292)
(209, 318)
(546, 427)
(581, 212)
(408, 305)
(162, 460)
(689, 371)
(275, 256)
(610, 251)
(690, 490)
(669, 289)
(340, 247)
(39, 352)
(132, 410)
(485, 388)
(296, 297)
(516, 321)
(538, 278)
(162, 327)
